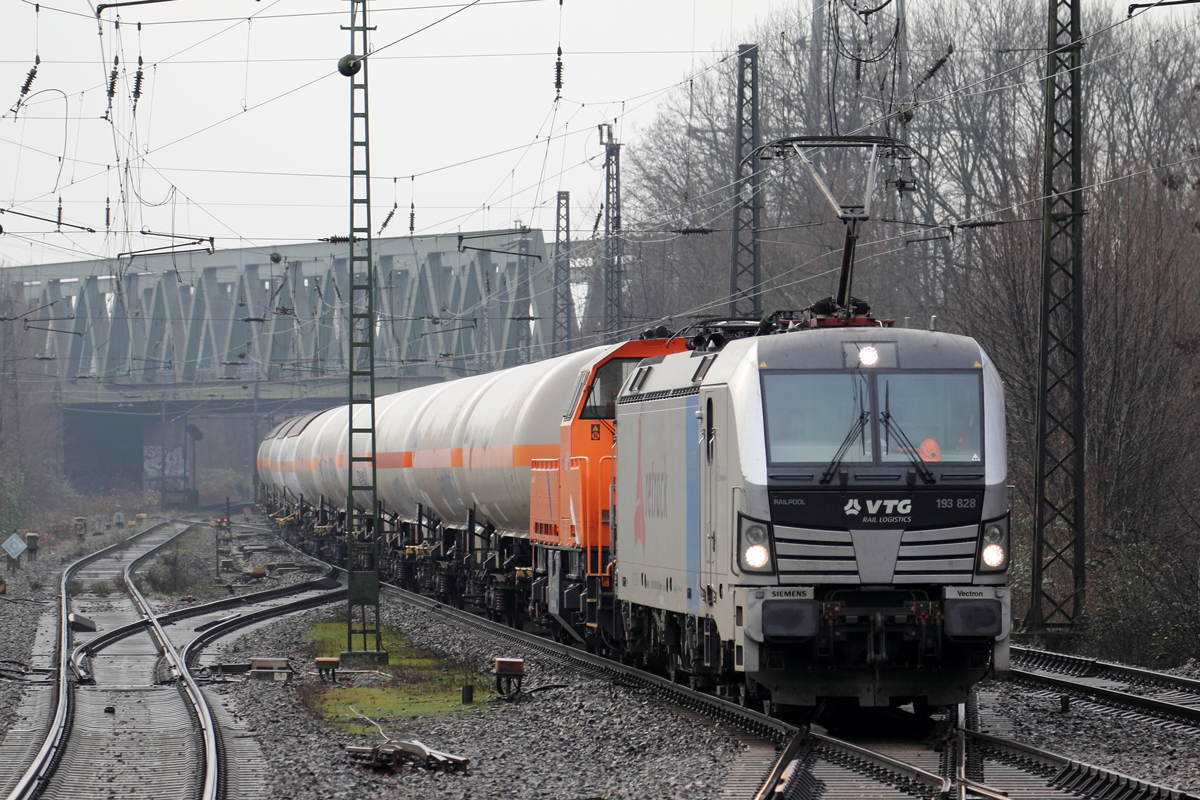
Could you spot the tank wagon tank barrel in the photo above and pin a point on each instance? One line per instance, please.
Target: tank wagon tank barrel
(812, 507)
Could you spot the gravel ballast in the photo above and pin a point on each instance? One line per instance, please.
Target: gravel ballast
(31, 592)
(201, 578)
(590, 739)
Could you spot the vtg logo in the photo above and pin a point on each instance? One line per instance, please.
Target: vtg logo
(874, 506)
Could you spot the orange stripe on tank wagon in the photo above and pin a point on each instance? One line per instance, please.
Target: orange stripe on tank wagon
(523, 454)
(440, 458)
(394, 460)
(482, 457)
(340, 461)
(470, 457)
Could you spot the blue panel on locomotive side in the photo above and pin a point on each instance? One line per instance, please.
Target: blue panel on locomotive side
(693, 506)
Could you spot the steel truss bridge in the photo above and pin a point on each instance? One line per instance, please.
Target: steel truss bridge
(270, 323)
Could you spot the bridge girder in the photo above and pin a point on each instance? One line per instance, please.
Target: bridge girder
(271, 318)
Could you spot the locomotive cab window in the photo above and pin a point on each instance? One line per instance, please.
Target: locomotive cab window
(940, 414)
(810, 415)
(888, 417)
(601, 402)
(570, 409)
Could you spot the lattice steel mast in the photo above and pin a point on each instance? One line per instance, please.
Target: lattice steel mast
(563, 307)
(524, 310)
(1057, 597)
(745, 273)
(613, 269)
(362, 506)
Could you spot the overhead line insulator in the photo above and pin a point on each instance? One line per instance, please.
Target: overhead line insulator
(933, 70)
(32, 74)
(112, 78)
(558, 75)
(391, 214)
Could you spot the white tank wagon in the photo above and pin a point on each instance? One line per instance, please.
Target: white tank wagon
(448, 447)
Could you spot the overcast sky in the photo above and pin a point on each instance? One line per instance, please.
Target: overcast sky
(242, 128)
(242, 132)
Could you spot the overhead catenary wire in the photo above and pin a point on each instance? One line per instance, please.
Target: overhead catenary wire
(927, 101)
(194, 133)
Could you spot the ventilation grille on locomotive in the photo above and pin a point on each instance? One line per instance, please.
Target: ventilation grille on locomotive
(811, 556)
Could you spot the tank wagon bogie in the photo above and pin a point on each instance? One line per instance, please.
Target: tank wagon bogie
(786, 518)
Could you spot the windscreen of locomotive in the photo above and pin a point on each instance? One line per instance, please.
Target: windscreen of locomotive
(601, 402)
(810, 414)
(940, 413)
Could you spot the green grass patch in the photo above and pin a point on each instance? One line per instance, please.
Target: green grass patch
(329, 641)
(418, 683)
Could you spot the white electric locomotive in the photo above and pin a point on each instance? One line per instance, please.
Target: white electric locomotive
(817, 514)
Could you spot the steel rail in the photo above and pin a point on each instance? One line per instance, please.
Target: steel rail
(743, 717)
(90, 648)
(941, 784)
(1161, 708)
(768, 790)
(1078, 665)
(39, 770)
(204, 719)
(1081, 777)
(964, 785)
(226, 626)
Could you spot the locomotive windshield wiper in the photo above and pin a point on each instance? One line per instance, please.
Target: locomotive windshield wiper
(906, 446)
(855, 431)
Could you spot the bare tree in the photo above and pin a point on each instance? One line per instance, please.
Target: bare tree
(976, 119)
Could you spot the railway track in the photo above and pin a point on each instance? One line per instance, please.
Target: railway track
(1157, 695)
(962, 764)
(112, 738)
(970, 764)
(126, 716)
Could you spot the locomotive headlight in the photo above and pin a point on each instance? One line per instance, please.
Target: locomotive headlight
(993, 546)
(754, 546)
(868, 356)
(756, 556)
